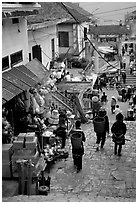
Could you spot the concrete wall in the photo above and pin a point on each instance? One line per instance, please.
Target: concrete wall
(43, 37)
(14, 38)
(81, 42)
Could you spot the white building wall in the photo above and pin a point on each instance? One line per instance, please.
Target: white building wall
(81, 42)
(14, 38)
(43, 37)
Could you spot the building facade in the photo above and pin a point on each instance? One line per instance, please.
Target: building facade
(14, 33)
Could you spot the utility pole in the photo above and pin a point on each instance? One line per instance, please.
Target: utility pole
(96, 56)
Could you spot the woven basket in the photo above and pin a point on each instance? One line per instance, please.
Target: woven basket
(99, 124)
(76, 140)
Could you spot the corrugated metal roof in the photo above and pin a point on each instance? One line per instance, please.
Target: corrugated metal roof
(10, 87)
(23, 69)
(38, 69)
(18, 13)
(7, 95)
(14, 80)
(23, 77)
(3, 101)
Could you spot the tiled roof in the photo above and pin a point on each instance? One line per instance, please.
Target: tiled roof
(51, 11)
(108, 30)
(77, 12)
(79, 9)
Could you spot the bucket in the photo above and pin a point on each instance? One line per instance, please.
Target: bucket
(76, 140)
(99, 124)
(43, 190)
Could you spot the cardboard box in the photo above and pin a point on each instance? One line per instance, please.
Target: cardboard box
(7, 151)
(17, 144)
(21, 136)
(30, 136)
(31, 144)
(6, 170)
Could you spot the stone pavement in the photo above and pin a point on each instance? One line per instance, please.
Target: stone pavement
(104, 177)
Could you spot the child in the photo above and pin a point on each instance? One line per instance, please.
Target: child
(113, 104)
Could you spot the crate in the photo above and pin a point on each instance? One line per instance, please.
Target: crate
(30, 136)
(7, 151)
(21, 136)
(6, 169)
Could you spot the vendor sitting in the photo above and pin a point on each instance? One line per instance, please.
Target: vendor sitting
(104, 97)
(61, 132)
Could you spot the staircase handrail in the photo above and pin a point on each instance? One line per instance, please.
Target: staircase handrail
(68, 104)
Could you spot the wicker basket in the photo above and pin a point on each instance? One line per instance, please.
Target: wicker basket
(76, 140)
(99, 124)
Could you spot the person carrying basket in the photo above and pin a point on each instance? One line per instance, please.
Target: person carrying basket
(77, 139)
(119, 130)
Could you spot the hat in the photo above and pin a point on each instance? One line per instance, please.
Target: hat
(95, 99)
(69, 113)
(54, 119)
(113, 97)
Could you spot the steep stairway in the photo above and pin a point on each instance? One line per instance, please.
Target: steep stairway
(130, 79)
(62, 101)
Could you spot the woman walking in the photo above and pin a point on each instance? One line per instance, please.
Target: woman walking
(78, 151)
(119, 130)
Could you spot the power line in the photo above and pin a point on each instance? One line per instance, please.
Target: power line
(86, 36)
(115, 10)
(35, 39)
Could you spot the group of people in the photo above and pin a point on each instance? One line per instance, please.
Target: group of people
(118, 131)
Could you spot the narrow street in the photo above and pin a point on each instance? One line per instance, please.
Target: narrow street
(54, 57)
(104, 177)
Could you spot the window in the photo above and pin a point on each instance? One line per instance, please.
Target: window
(5, 63)
(53, 48)
(15, 20)
(29, 57)
(16, 58)
(63, 39)
(85, 33)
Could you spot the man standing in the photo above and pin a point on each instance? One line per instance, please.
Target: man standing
(124, 76)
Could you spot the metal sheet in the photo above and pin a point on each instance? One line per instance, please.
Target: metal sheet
(3, 101)
(10, 87)
(14, 80)
(38, 69)
(23, 77)
(7, 95)
(29, 73)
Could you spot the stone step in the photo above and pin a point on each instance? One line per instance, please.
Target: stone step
(68, 197)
